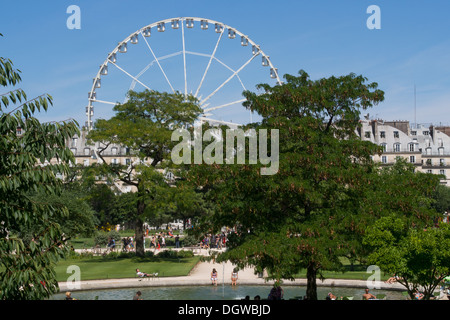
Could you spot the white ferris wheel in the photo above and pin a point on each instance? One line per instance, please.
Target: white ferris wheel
(189, 55)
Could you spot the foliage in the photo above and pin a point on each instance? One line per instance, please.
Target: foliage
(419, 257)
(303, 216)
(145, 124)
(27, 267)
(80, 219)
(442, 199)
(190, 240)
(170, 254)
(102, 238)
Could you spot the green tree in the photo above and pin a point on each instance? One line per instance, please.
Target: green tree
(81, 218)
(442, 199)
(300, 217)
(145, 124)
(27, 148)
(419, 257)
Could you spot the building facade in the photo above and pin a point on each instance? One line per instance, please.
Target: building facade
(425, 146)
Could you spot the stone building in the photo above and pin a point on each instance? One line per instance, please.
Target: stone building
(425, 146)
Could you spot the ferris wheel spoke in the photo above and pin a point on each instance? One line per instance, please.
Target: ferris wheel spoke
(157, 61)
(231, 77)
(102, 101)
(134, 78)
(224, 105)
(209, 63)
(207, 104)
(184, 57)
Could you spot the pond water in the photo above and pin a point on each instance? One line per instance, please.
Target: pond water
(219, 293)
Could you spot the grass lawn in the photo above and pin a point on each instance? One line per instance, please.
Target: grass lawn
(94, 268)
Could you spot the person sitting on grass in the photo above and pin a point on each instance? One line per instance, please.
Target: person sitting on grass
(142, 274)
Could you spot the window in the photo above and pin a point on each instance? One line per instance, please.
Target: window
(74, 151)
(18, 131)
(425, 133)
(87, 151)
(367, 134)
(74, 142)
(429, 171)
(429, 162)
(441, 151)
(382, 134)
(397, 147)
(396, 134)
(412, 159)
(383, 159)
(114, 151)
(428, 151)
(127, 162)
(442, 172)
(414, 133)
(86, 162)
(114, 161)
(442, 162)
(384, 146)
(412, 147)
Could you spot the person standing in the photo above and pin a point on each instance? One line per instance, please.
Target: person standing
(234, 277)
(177, 241)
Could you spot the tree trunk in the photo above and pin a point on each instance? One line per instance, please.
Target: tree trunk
(139, 241)
(311, 285)
(139, 228)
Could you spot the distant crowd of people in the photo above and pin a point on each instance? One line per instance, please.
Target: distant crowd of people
(158, 240)
(214, 241)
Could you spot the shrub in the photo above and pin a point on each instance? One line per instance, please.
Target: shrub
(101, 239)
(189, 241)
(113, 234)
(170, 254)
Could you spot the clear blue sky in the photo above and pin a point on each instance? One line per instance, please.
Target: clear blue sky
(323, 37)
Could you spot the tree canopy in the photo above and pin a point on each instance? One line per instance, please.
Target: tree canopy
(145, 124)
(419, 257)
(299, 217)
(27, 148)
